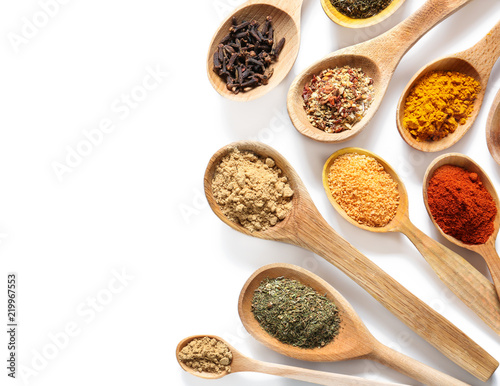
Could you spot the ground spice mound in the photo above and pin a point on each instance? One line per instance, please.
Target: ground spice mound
(363, 189)
(438, 104)
(251, 190)
(461, 205)
(207, 355)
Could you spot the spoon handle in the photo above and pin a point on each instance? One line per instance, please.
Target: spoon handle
(311, 376)
(411, 367)
(314, 233)
(492, 259)
(399, 39)
(484, 54)
(459, 275)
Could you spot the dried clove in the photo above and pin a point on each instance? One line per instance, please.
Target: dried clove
(243, 57)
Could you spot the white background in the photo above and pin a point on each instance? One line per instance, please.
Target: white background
(134, 206)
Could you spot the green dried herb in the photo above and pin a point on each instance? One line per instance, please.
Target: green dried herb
(360, 9)
(294, 313)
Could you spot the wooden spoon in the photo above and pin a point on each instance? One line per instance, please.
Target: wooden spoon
(353, 341)
(242, 363)
(487, 250)
(286, 23)
(377, 57)
(476, 62)
(458, 274)
(305, 227)
(493, 129)
(349, 22)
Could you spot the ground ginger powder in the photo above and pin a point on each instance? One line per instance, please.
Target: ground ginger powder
(207, 355)
(251, 191)
(363, 189)
(438, 103)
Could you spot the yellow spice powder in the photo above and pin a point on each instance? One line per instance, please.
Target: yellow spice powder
(363, 189)
(438, 103)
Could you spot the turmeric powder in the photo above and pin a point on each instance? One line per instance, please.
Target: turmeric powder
(438, 103)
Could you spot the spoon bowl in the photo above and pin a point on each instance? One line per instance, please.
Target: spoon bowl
(346, 21)
(402, 211)
(476, 62)
(493, 129)
(453, 270)
(353, 340)
(295, 102)
(377, 57)
(286, 23)
(487, 250)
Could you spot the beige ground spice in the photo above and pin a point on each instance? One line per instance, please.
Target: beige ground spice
(363, 189)
(207, 355)
(251, 191)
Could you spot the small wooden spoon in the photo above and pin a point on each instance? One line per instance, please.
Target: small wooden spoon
(458, 274)
(305, 227)
(241, 363)
(286, 23)
(493, 129)
(487, 250)
(353, 341)
(377, 57)
(349, 22)
(476, 62)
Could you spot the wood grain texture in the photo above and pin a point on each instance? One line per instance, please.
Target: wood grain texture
(465, 281)
(486, 250)
(353, 341)
(377, 57)
(476, 62)
(286, 23)
(493, 129)
(305, 227)
(349, 22)
(241, 363)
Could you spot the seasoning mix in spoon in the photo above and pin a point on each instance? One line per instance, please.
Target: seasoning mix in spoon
(295, 313)
(438, 103)
(360, 9)
(251, 190)
(336, 99)
(363, 189)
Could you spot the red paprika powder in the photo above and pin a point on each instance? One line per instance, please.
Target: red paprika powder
(461, 205)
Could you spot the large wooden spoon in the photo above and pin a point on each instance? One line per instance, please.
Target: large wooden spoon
(241, 363)
(305, 227)
(286, 23)
(476, 62)
(377, 57)
(486, 250)
(353, 341)
(493, 129)
(458, 274)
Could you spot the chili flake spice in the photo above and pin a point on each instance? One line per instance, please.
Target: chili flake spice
(338, 98)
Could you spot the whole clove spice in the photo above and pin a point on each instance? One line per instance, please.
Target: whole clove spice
(244, 57)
